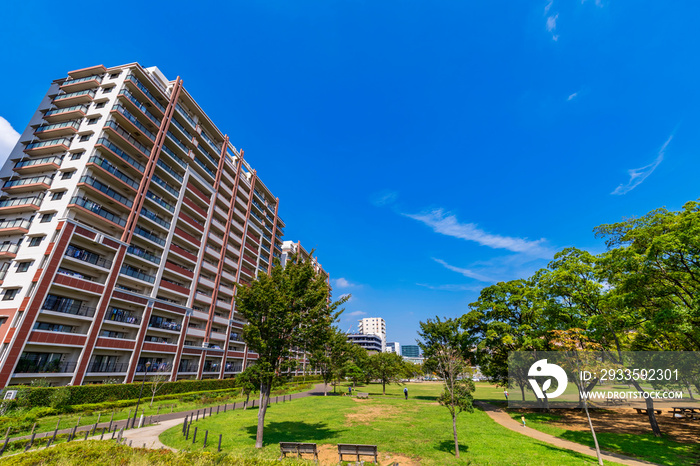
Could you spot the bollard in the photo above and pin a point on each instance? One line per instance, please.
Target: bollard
(206, 434)
(110, 422)
(103, 433)
(224, 407)
(7, 439)
(197, 418)
(158, 412)
(140, 422)
(119, 437)
(210, 411)
(204, 413)
(48, 444)
(187, 435)
(31, 442)
(194, 436)
(113, 432)
(87, 432)
(217, 409)
(127, 418)
(130, 442)
(184, 426)
(219, 443)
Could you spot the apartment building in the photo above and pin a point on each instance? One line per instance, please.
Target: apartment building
(290, 248)
(393, 347)
(126, 218)
(372, 343)
(373, 326)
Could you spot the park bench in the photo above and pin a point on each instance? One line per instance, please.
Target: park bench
(616, 401)
(363, 395)
(357, 451)
(299, 449)
(644, 411)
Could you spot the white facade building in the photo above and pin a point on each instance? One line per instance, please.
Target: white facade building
(374, 326)
(393, 347)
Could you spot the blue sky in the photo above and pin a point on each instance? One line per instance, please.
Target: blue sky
(425, 149)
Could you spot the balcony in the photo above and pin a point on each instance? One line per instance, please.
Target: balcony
(160, 201)
(13, 227)
(74, 98)
(157, 180)
(172, 155)
(43, 164)
(87, 256)
(178, 143)
(155, 218)
(48, 147)
(70, 306)
(154, 368)
(131, 79)
(204, 167)
(25, 366)
(149, 236)
(141, 107)
(105, 190)
(67, 128)
(8, 251)
(133, 250)
(22, 204)
(95, 208)
(136, 273)
(164, 325)
(120, 109)
(112, 170)
(169, 170)
(116, 367)
(27, 184)
(107, 144)
(182, 129)
(120, 315)
(121, 132)
(214, 146)
(80, 84)
(67, 113)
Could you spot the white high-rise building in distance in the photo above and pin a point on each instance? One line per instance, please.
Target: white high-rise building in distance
(374, 326)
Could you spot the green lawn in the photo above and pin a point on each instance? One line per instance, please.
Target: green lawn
(418, 428)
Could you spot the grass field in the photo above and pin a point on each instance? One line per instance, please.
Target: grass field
(419, 429)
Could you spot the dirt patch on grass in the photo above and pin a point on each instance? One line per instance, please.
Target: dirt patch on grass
(627, 421)
(360, 400)
(328, 455)
(368, 413)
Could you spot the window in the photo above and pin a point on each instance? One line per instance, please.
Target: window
(114, 75)
(107, 90)
(85, 137)
(24, 266)
(92, 121)
(45, 218)
(10, 294)
(100, 105)
(77, 155)
(36, 241)
(67, 175)
(57, 195)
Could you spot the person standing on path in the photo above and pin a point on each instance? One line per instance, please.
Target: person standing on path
(350, 391)
(505, 393)
(405, 392)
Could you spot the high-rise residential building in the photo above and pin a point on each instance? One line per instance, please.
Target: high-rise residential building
(410, 351)
(372, 343)
(126, 218)
(393, 347)
(373, 326)
(289, 248)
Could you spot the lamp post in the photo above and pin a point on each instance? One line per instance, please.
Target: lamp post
(133, 423)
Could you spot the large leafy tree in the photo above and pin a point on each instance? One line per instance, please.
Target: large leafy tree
(444, 345)
(332, 356)
(387, 368)
(288, 309)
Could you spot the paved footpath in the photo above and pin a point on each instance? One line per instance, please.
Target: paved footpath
(504, 419)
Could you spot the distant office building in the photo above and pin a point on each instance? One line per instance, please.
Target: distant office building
(410, 351)
(372, 343)
(373, 326)
(393, 347)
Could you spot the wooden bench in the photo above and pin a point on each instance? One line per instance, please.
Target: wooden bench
(616, 401)
(357, 451)
(644, 411)
(363, 395)
(299, 449)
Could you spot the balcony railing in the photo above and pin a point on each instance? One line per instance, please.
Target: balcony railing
(167, 168)
(178, 143)
(233, 368)
(108, 367)
(177, 159)
(125, 134)
(157, 367)
(87, 256)
(149, 236)
(120, 315)
(152, 216)
(140, 106)
(32, 367)
(32, 200)
(141, 253)
(143, 89)
(123, 155)
(95, 77)
(214, 146)
(160, 201)
(157, 180)
(134, 121)
(89, 92)
(25, 181)
(96, 208)
(9, 248)
(174, 326)
(204, 167)
(186, 115)
(179, 126)
(42, 161)
(50, 142)
(67, 306)
(108, 167)
(14, 224)
(103, 188)
(135, 273)
(67, 124)
(74, 108)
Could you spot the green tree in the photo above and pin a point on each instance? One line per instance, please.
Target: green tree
(290, 308)
(444, 345)
(332, 356)
(248, 381)
(387, 367)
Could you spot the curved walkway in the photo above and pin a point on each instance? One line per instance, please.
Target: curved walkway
(504, 419)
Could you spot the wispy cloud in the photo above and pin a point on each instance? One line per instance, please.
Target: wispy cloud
(342, 283)
(638, 175)
(8, 138)
(450, 287)
(551, 20)
(384, 197)
(572, 96)
(357, 313)
(466, 272)
(447, 224)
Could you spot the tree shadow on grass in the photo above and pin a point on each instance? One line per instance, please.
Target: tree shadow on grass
(448, 446)
(298, 431)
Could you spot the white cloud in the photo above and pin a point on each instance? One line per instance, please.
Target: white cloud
(466, 272)
(8, 138)
(638, 175)
(548, 6)
(572, 96)
(447, 224)
(383, 198)
(450, 287)
(357, 313)
(552, 26)
(342, 283)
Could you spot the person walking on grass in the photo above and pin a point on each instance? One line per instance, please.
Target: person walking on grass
(505, 393)
(405, 392)
(350, 391)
